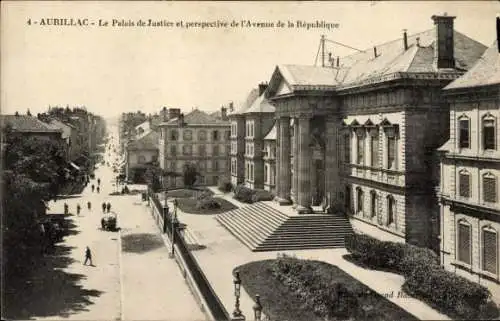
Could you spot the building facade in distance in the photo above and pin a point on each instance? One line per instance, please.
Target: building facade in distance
(196, 138)
(470, 174)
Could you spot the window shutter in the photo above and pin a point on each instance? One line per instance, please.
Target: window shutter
(490, 251)
(464, 185)
(464, 243)
(489, 189)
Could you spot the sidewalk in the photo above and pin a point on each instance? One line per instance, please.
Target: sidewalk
(152, 284)
(224, 252)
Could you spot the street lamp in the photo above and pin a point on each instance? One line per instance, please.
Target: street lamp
(174, 221)
(257, 308)
(237, 314)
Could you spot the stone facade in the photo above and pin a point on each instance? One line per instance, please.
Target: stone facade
(199, 139)
(470, 173)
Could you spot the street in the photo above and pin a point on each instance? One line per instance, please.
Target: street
(131, 278)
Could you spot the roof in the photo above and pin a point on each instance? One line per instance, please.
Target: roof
(147, 141)
(247, 102)
(198, 117)
(272, 134)
(484, 73)
(144, 125)
(260, 105)
(392, 59)
(25, 123)
(66, 128)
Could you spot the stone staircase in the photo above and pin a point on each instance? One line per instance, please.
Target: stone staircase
(263, 228)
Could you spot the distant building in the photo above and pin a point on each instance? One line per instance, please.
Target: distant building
(141, 153)
(249, 125)
(30, 126)
(470, 174)
(70, 136)
(197, 138)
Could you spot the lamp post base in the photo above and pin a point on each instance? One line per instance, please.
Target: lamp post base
(240, 317)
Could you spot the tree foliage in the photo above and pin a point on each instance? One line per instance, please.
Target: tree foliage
(190, 174)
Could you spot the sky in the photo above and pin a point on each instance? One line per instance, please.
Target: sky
(114, 69)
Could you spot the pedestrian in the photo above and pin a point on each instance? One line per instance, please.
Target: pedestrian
(78, 208)
(108, 207)
(98, 182)
(66, 209)
(104, 207)
(88, 256)
(93, 187)
(89, 205)
(98, 189)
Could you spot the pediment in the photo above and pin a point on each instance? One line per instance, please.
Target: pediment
(283, 89)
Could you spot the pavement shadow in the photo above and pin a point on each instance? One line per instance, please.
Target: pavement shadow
(65, 197)
(38, 287)
(141, 242)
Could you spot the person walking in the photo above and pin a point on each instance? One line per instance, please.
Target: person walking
(98, 182)
(93, 187)
(108, 207)
(88, 256)
(78, 208)
(104, 207)
(98, 189)
(89, 205)
(66, 209)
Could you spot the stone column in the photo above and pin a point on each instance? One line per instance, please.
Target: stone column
(331, 163)
(278, 160)
(304, 170)
(295, 160)
(284, 162)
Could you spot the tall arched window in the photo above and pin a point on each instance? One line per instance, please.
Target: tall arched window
(464, 242)
(489, 131)
(173, 150)
(490, 189)
(489, 250)
(374, 204)
(202, 135)
(464, 182)
(359, 200)
(174, 134)
(187, 134)
(463, 132)
(391, 210)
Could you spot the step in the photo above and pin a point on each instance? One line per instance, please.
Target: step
(263, 212)
(242, 237)
(249, 225)
(271, 209)
(296, 247)
(261, 217)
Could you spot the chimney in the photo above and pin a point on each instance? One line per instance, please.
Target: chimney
(498, 32)
(223, 113)
(375, 51)
(262, 88)
(405, 39)
(181, 118)
(444, 45)
(231, 106)
(164, 115)
(174, 113)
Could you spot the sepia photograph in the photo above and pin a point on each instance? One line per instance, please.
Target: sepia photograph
(250, 160)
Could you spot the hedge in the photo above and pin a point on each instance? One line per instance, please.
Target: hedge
(424, 277)
(225, 186)
(243, 194)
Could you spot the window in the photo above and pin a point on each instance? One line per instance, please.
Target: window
(489, 188)
(154, 158)
(216, 165)
(251, 172)
(464, 184)
(391, 210)
(202, 135)
(374, 148)
(266, 179)
(201, 165)
(361, 147)
(373, 202)
(187, 150)
(141, 159)
(391, 134)
(489, 133)
(187, 135)
(173, 150)
(347, 204)
(228, 134)
(464, 242)
(347, 148)
(174, 134)
(463, 133)
(202, 150)
(215, 151)
(173, 166)
(215, 135)
(360, 200)
(490, 250)
(272, 175)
